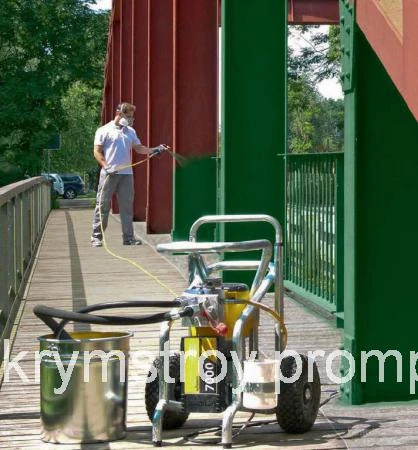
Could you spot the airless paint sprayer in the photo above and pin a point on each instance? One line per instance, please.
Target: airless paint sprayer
(218, 367)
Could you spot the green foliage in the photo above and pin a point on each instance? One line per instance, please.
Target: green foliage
(303, 106)
(315, 124)
(83, 117)
(8, 173)
(329, 126)
(320, 57)
(45, 46)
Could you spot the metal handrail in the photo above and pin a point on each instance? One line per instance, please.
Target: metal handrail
(24, 208)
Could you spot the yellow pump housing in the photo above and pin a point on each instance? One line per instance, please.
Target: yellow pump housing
(235, 295)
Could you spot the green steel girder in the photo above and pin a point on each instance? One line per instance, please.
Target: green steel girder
(347, 42)
(380, 307)
(254, 89)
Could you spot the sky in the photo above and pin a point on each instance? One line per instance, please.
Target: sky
(328, 88)
(103, 4)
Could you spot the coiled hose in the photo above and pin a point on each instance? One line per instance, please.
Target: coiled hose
(48, 315)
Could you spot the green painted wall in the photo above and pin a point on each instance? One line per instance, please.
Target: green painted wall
(381, 222)
(194, 196)
(254, 73)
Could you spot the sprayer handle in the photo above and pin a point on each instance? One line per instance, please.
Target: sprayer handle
(159, 149)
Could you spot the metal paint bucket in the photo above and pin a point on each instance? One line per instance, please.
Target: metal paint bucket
(84, 387)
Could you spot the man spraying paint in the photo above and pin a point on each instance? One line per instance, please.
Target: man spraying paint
(113, 144)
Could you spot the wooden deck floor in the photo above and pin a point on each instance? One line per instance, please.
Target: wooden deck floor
(69, 274)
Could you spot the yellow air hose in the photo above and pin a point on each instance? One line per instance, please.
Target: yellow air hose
(122, 258)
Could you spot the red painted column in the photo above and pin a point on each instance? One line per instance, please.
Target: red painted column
(140, 83)
(160, 174)
(116, 70)
(195, 111)
(116, 59)
(108, 75)
(126, 55)
(196, 77)
(108, 83)
(126, 60)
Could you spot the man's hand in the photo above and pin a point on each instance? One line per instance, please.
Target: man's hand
(158, 150)
(110, 170)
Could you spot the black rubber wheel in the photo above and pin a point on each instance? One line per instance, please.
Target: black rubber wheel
(70, 194)
(298, 402)
(172, 419)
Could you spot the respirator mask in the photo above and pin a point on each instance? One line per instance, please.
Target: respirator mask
(126, 121)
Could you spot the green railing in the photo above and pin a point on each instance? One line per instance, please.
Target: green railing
(24, 208)
(314, 228)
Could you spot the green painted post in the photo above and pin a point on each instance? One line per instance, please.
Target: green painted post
(194, 195)
(254, 73)
(381, 245)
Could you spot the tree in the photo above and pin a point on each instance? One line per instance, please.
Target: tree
(45, 46)
(303, 106)
(329, 123)
(315, 124)
(319, 57)
(83, 117)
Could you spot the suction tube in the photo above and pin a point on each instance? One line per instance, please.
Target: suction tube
(47, 315)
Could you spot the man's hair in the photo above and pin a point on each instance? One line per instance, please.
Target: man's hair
(125, 107)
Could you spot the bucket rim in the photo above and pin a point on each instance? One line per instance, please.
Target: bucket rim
(262, 362)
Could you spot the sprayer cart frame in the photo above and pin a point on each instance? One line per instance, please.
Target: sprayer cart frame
(225, 314)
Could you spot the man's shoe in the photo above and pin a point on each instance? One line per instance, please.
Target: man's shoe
(132, 242)
(96, 242)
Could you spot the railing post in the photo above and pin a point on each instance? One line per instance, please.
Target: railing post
(339, 244)
(4, 261)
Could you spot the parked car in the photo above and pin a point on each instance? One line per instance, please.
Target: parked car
(73, 185)
(56, 180)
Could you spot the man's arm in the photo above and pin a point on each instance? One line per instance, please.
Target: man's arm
(143, 150)
(99, 155)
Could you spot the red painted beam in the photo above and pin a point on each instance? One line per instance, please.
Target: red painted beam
(394, 44)
(313, 12)
(410, 54)
(140, 80)
(160, 175)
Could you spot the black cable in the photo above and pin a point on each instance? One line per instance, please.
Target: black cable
(248, 424)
